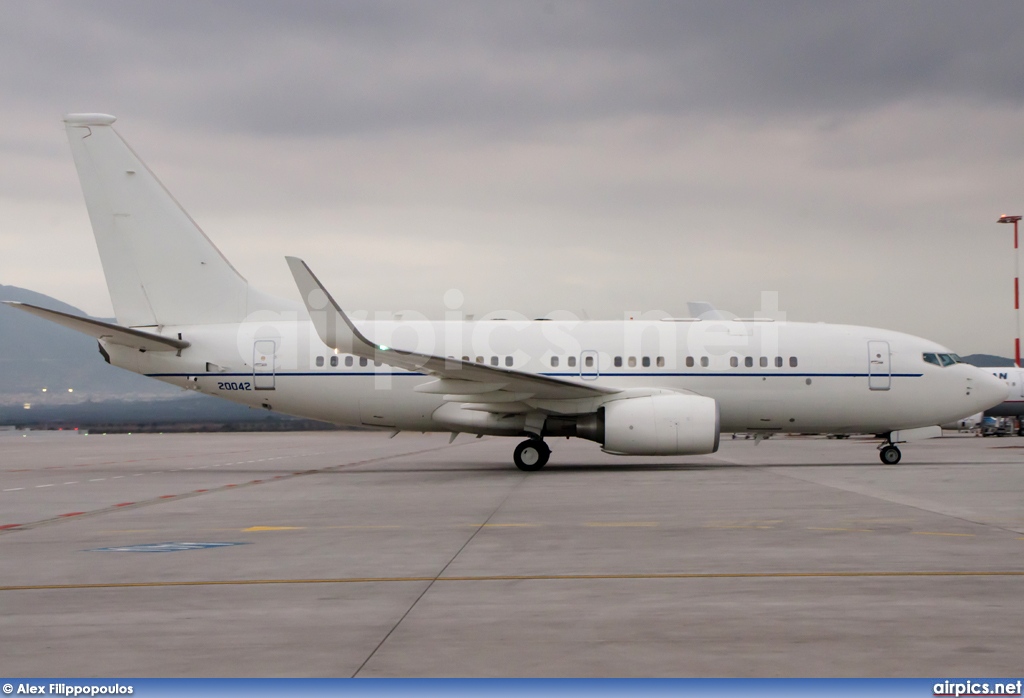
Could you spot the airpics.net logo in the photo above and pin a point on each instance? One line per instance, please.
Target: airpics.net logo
(967, 689)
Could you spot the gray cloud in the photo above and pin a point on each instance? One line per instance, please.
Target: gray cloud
(602, 155)
(324, 67)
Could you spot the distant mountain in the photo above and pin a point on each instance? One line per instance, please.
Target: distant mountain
(36, 354)
(987, 360)
(189, 410)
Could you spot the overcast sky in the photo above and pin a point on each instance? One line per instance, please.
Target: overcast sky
(583, 156)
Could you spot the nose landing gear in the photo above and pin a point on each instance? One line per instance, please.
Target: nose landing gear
(531, 455)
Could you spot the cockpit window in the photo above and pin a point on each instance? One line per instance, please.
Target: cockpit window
(942, 359)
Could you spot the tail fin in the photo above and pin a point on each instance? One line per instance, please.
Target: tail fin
(161, 269)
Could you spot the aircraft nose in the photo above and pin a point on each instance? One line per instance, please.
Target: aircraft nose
(988, 390)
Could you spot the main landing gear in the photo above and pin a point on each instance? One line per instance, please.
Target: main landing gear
(889, 454)
(531, 455)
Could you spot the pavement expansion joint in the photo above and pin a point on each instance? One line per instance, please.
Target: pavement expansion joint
(16, 527)
(532, 577)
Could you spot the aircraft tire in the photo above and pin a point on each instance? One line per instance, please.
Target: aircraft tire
(531, 455)
(890, 455)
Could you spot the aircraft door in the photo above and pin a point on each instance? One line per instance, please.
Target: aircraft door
(264, 364)
(589, 365)
(879, 372)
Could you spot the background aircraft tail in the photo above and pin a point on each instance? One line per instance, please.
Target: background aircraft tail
(161, 269)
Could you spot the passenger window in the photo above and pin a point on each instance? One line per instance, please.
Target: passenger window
(748, 362)
(661, 362)
(348, 360)
(588, 361)
(319, 361)
(554, 362)
(646, 361)
(618, 362)
(632, 362)
(792, 362)
(704, 361)
(494, 361)
(734, 361)
(508, 360)
(334, 360)
(778, 362)
(377, 364)
(479, 359)
(689, 362)
(465, 358)
(572, 361)
(764, 362)
(362, 360)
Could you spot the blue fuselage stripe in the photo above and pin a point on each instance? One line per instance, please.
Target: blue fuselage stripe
(340, 374)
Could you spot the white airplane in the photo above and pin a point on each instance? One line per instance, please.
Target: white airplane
(636, 387)
(1013, 406)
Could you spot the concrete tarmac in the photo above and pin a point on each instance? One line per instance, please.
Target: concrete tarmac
(359, 555)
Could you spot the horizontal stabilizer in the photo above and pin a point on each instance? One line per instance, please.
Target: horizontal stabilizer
(114, 334)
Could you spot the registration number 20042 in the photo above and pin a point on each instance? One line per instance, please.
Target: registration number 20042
(234, 386)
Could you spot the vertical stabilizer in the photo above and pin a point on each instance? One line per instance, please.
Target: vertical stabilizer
(161, 269)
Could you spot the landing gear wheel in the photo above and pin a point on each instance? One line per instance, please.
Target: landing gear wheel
(890, 455)
(531, 455)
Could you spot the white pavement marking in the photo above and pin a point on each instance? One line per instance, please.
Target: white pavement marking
(38, 486)
(98, 479)
(14, 489)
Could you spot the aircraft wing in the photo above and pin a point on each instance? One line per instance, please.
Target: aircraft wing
(477, 382)
(115, 334)
(703, 310)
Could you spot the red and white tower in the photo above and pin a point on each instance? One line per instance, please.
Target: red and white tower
(1016, 283)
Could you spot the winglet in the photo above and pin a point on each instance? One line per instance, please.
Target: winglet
(333, 326)
(337, 331)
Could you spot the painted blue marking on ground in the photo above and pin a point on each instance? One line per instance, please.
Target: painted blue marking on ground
(161, 547)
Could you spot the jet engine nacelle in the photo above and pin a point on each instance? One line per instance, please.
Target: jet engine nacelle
(661, 425)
